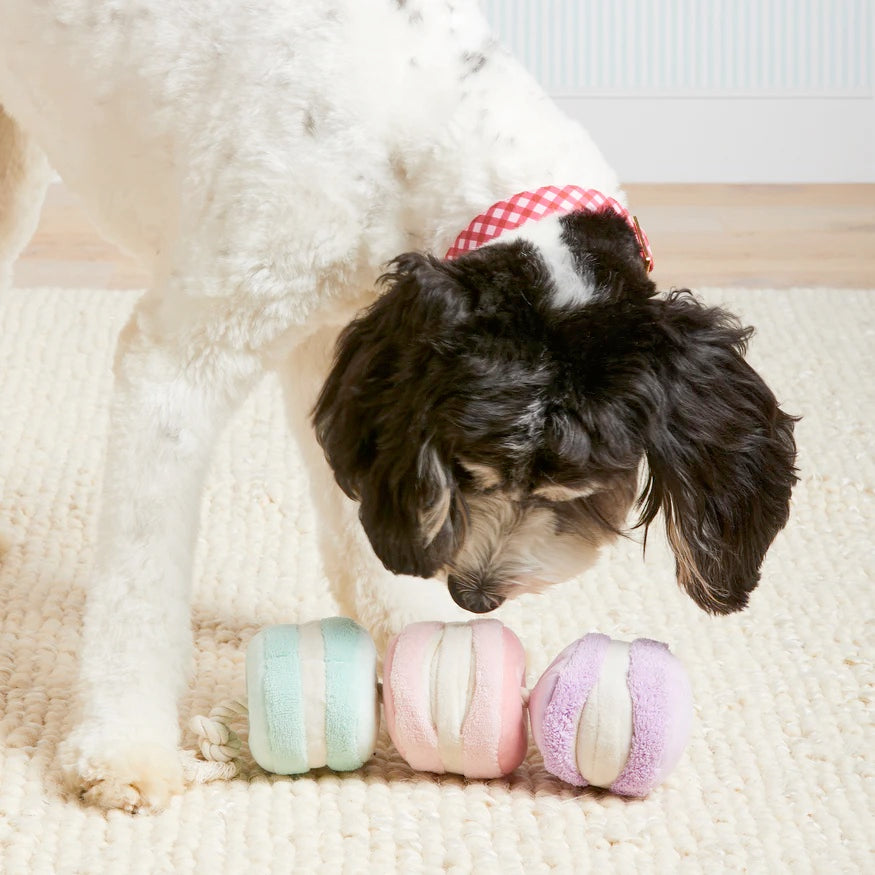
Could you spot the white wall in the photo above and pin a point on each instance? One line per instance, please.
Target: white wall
(709, 90)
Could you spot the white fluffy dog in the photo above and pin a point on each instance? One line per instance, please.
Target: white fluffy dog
(486, 417)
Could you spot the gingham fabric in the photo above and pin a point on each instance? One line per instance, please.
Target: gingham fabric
(533, 205)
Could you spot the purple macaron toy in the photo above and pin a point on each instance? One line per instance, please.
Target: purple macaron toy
(612, 714)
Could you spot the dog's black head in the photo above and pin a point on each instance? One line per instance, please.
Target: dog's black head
(490, 414)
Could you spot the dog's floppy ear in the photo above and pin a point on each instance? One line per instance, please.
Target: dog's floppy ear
(720, 453)
(374, 418)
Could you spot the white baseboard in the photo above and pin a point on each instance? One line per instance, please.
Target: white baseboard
(735, 140)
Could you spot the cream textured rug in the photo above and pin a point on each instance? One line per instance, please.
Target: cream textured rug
(778, 775)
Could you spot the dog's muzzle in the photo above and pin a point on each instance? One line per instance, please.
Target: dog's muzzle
(471, 598)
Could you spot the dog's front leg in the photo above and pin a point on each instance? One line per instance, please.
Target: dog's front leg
(171, 396)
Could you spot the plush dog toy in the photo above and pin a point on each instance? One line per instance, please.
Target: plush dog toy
(608, 713)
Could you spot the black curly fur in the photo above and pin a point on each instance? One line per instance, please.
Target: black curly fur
(472, 359)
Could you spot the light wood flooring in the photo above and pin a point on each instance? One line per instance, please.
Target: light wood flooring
(762, 236)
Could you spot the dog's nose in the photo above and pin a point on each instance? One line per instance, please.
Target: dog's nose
(472, 599)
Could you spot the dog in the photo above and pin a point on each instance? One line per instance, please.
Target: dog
(275, 165)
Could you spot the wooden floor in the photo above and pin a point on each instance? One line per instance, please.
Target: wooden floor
(702, 235)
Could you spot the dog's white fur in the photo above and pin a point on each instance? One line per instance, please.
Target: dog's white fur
(264, 160)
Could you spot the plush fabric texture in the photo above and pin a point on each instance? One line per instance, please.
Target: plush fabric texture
(514, 739)
(452, 696)
(277, 737)
(312, 667)
(296, 725)
(578, 718)
(604, 733)
(661, 701)
(561, 698)
(778, 773)
(407, 696)
(485, 721)
(350, 693)
(449, 681)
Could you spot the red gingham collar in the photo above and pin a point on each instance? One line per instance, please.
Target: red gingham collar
(534, 205)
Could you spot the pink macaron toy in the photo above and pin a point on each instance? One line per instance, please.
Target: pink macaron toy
(452, 698)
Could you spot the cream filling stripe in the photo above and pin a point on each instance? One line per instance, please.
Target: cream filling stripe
(450, 685)
(604, 733)
(311, 650)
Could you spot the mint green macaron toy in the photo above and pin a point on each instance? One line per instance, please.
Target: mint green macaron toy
(312, 696)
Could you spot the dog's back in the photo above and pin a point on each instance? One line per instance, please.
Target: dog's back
(381, 120)
(152, 110)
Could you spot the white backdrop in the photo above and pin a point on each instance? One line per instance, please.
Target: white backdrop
(709, 90)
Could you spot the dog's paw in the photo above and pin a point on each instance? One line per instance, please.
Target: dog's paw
(126, 775)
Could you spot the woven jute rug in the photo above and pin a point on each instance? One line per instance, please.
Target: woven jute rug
(777, 776)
